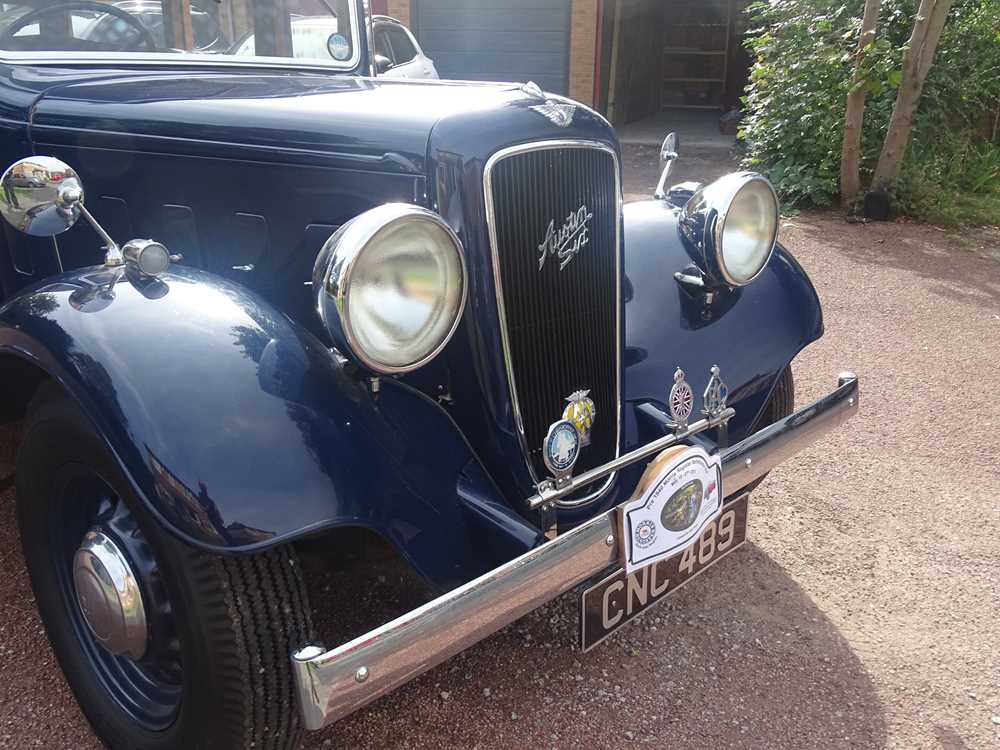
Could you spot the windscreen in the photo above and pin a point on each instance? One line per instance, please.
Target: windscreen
(310, 31)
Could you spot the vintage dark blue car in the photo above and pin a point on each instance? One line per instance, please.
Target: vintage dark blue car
(349, 306)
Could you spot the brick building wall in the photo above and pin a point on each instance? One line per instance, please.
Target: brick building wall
(399, 9)
(582, 48)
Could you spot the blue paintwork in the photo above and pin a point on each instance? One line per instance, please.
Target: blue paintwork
(241, 430)
(220, 398)
(755, 330)
(460, 148)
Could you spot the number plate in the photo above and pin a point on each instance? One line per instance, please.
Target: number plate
(620, 597)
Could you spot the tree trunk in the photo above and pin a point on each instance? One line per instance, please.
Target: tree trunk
(850, 156)
(917, 61)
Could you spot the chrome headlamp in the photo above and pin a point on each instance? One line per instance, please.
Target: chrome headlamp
(733, 224)
(390, 287)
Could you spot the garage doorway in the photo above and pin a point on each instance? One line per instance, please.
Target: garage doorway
(681, 56)
(482, 40)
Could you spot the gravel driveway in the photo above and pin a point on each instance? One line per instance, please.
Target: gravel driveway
(863, 613)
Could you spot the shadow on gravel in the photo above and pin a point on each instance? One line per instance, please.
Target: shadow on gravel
(741, 657)
(914, 248)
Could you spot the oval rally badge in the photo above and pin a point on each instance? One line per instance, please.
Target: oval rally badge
(671, 507)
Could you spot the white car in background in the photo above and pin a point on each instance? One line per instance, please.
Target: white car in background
(397, 54)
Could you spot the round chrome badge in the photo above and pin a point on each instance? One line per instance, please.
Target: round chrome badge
(561, 448)
(681, 401)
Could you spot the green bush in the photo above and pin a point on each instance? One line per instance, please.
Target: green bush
(956, 182)
(804, 55)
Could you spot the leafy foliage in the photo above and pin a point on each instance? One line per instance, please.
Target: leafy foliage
(804, 55)
(957, 182)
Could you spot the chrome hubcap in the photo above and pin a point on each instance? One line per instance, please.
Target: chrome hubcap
(109, 596)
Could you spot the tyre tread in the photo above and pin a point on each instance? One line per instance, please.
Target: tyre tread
(268, 618)
(249, 613)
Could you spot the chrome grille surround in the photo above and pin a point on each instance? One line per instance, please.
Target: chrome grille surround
(494, 160)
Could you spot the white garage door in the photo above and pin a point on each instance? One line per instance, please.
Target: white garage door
(519, 40)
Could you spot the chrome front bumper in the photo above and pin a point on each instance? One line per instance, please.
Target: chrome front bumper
(332, 684)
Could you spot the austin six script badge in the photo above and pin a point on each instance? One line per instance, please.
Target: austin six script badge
(568, 240)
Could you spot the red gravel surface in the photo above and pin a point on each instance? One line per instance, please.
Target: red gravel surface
(862, 613)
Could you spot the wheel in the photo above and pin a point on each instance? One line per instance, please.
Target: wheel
(163, 645)
(779, 405)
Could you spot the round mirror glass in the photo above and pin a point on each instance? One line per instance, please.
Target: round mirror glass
(42, 196)
(670, 148)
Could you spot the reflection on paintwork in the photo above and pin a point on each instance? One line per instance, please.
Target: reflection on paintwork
(96, 291)
(286, 441)
(308, 149)
(783, 302)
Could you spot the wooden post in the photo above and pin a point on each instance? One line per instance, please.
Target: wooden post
(272, 28)
(241, 18)
(177, 28)
(225, 20)
(56, 29)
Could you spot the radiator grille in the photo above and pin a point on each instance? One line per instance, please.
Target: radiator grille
(561, 319)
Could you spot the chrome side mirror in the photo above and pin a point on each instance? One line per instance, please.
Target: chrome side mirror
(669, 153)
(43, 197)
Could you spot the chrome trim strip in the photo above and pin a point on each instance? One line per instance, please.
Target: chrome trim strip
(410, 645)
(707, 211)
(491, 224)
(59, 57)
(556, 490)
(340, 254)
(332, 684)
(720, 227)
(370, 38)
(752, 458)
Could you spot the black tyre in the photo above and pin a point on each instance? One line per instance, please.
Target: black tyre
(218, 631)
(782, 401)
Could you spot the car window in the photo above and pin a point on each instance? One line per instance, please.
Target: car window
(112, 30)
(79, 22)
(310, 39)
(402, 47)
(382, 43)
(205, 27)
(324, 31)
